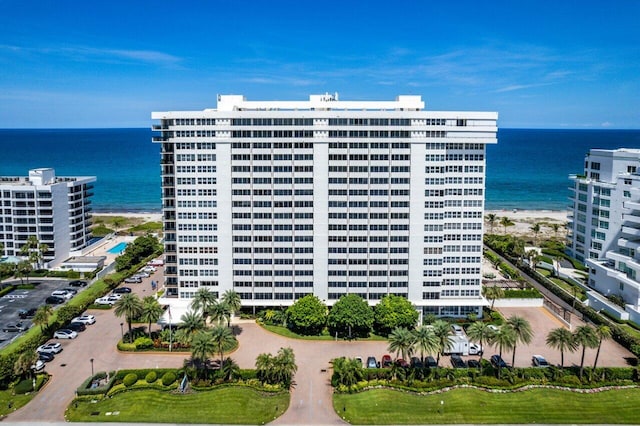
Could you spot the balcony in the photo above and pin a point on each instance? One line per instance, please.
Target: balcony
(627, 230)
(631, 218)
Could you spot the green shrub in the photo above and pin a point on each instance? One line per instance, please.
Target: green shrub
(143, 343)
(23, 387)
(168, 378)
(130, 379)
(6, 290)
(151, 377)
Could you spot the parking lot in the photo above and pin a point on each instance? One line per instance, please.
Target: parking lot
(12, 303)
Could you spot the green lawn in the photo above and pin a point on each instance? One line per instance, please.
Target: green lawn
(384, 406)
(285, 332)
(238, 405)
(10, 403)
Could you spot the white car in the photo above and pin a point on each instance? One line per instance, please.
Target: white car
(65, 333)
(38, 366)
(106, 300)
(50, 348)
(62, 293)
(85, 319)
(148, 269)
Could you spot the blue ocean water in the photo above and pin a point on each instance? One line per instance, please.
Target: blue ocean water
(527, 169)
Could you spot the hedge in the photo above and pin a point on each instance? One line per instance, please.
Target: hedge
(130, 380)
(168, 378)
(528, 293)
(151, 377)
(85, 387)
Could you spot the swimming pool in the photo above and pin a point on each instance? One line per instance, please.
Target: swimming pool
(118, 248)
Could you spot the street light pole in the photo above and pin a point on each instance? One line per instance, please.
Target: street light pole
(122, 331)
(91, 366)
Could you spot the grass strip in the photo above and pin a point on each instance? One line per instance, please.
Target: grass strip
(472, 406)
(285, 332)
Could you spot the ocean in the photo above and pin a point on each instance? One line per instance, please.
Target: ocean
(528, 169)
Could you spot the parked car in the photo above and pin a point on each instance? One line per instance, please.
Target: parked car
(458, 362)
(149, 269)
(78, 283)
(133, 280)
(359, 359)
(27, 313)
(458, 330)
(38, 366)
(122, 290)
(539, 361)
(498, 362)
(400, 362)
(142, 274)
(50, 348)
(372, 363)
(493, 328)
(45, 356)
(475, 349)
(105, 300)
(85, 319)
(54, 300)
(430, 362)
(17, 327)
(62, 294)
(72, 291)
(416, 362)
(386, 361)
(473, 363)
(76, 326)
(65, 333)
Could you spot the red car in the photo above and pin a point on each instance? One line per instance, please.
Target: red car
(402, 363)
(386, 361)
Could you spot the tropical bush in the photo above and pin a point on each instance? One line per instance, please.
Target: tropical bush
(130, 380)
(151, 377)
(168, 378)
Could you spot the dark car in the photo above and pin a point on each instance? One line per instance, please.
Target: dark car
(77, 326)
(539, 361)
(401, 363)
(473, 363)
(45, 356)
(386, 361)
(14, 328)
(122, 290)
(458, 362)
(498, 362)
(78, 283)
(416, 362)
(54, 300)
(27, 313)
(372, 363)
(430, 362)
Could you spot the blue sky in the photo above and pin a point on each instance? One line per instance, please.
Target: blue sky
(539, 64)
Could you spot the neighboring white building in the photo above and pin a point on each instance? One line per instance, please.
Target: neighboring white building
(56, 210)
(604, 227)
(281, 199)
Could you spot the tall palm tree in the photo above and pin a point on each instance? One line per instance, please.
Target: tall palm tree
(264, 367)
(202, 347)
(230, 370)
(425, 340)
(222, 337)
(442, 330)
(479, 331)
(232, 300)
(585, 336)
(190, 323)
(604, 333)
(555, 227)
(401, 342)
(151, 311)
(202, 301)
(504, 339)
(42, 251)
(560, 338)
(42, 315)
(506, 222)
(285, 366)
(491, 218)
(129, 307)
(346, 371)
(536, 230)
(22, 366)
(524, 334)
(492, 293)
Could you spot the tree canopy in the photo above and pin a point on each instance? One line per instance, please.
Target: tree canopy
(351, 314)
(307, 315)
(393, 312)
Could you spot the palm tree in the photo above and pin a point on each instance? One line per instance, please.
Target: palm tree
(504, 339)
(202, 301)
(401, 342)
(42, 315)
(536, 230)
(264, 364)
(285, 366)
(129, 306)
(23, 269)
(480, 332)
(561, 339)
(222, 337)
(346, 371)
(555, 227)
(492, 293)
(151, 311)
(491, 218)
(585, 336)
(425, 340)
(202, 347)
(506, 222)
(191, 322)
(23, 364)
(232, 300)
(42, 251)
(1, 249)
(523, 332)
(604, 333)
(442, 330)
(230, 370)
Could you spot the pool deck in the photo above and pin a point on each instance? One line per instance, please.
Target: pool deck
(103, 248)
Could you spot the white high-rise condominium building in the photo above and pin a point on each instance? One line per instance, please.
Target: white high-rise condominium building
(604, 226)
(281, 199)
(56, 210)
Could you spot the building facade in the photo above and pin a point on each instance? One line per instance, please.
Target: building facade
(56, 210)
(604, 226)
(280, 199)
